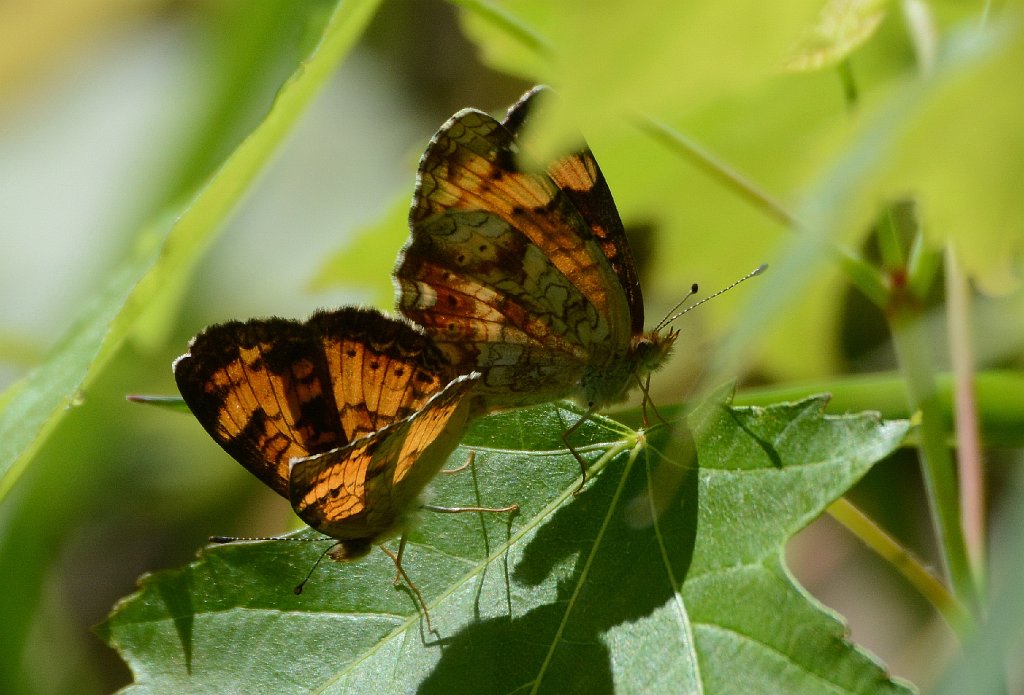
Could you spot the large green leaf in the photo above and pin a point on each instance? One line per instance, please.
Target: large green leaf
(613, 57)
(661, 576)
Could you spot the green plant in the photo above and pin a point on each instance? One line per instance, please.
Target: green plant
(876, 148)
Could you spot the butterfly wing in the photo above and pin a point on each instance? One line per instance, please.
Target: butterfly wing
(504, 269)
(272, 390)
(361, 493)
(579, 177)
(260, 388)
(380, 369)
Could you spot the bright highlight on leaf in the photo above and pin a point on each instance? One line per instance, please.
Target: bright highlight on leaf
(842, 26)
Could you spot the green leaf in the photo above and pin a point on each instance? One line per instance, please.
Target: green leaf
(611, 57)
(661, 576)
(842, 26)
(369, 257)
(164, 253)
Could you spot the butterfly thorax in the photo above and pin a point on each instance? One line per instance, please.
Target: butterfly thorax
(610, 383)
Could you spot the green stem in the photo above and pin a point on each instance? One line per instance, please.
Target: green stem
(862, 274)
(889, 242)
(914, 352)
(968, 437)
(850, 92)
(904, 561)
(717, 169)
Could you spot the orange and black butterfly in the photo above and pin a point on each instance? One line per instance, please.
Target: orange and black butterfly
(347, 415)
(523, 271)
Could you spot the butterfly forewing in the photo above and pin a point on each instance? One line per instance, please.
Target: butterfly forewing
(579, 177)
(272, 390)
(261, 389)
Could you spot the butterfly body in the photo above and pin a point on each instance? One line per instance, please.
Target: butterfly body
(348, 415)
(522, 272)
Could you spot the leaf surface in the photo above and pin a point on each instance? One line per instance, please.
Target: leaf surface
(662, 575)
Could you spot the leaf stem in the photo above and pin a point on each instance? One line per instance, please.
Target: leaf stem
(912, 340)
(903, 561)
(862, 274)
(851, 95)
(508, 23)
(968, 438)
(717, 169)
(914, 353)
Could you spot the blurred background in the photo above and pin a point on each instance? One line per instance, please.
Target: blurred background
(113, 112)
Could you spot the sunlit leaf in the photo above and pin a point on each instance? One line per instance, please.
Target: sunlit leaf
(661, 576)
(611, 57)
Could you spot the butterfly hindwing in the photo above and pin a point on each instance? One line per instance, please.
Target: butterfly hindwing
(379, 369)
(363, 491)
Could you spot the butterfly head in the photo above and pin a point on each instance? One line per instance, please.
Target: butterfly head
(648, 351)
(350, 549)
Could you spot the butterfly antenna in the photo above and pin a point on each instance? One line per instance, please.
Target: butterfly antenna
(665, 321)
(233, 539)
(756, 271)
(301, 585)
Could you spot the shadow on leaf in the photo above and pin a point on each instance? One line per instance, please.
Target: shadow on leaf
(617, 552)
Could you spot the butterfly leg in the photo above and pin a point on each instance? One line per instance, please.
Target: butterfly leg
(467, 464)
(575, 454)
(401, 576)
(645, 388)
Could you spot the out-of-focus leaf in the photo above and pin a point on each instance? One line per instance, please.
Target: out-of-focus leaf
(962, 155)
(370, 257)
(888, 156)
(842, 26)
(610, 57)
(163, 252)
(663, 575)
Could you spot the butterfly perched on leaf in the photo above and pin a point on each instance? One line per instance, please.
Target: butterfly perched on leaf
(347, 415)
(521, 270)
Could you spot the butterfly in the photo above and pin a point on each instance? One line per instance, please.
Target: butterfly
(524, 273)
(347, 415)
